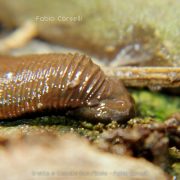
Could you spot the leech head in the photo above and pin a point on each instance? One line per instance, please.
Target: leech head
(118, 107)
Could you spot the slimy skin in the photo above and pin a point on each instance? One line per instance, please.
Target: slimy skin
(68, 83)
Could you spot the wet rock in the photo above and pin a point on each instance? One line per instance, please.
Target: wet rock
(47, 156)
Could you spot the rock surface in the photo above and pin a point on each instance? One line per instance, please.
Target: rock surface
(47, 156)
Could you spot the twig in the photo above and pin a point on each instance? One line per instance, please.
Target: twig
(19, 37)
(153, 77)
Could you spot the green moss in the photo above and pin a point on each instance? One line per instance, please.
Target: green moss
(155, 105)
(176, 170)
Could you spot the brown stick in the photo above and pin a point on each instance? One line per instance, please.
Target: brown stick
(153, 77)
(19, 37)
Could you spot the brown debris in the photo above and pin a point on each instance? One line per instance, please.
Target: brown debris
(151, 141)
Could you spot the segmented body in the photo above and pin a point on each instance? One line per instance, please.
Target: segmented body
(54, 81)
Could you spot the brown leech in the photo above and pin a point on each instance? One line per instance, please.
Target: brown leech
(62, 82)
